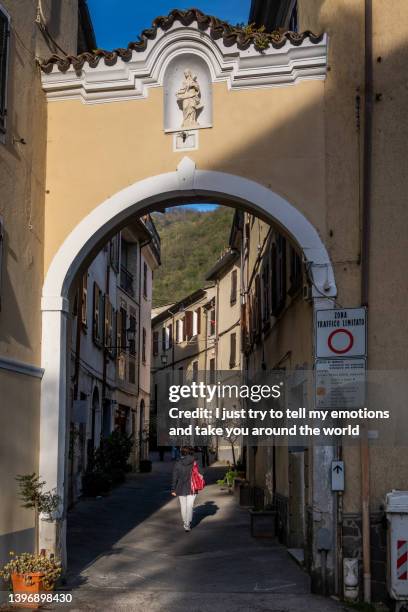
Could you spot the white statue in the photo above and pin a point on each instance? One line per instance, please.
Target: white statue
(189, 99)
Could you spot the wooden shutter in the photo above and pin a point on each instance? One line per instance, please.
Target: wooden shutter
(189, 324)
(119, 329)
(198, 311)
(170, 335)
(155, 343)
(84, 302)
(234, 282)
(144, 345)
(96, 314)
(233, 350)
(163, 338)
(278, 265)
(4, 52)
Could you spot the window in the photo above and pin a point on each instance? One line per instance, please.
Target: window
(212, 322)
(295, 271)
(132, 326)
(233, 350)
(265, 292)
(163, 338)
(98, 315)
(132, 371)
(121, 322)
(196, 322)
(278, 269)
(212, 371)
(188, 325)
(195, 371)
(145, 279)
(128, 262)
(179, 330)
(114, 252)
(144, 345)
(155, 343)
(170, 335)
(4, 53)
(84, 303)
(108, 323)
(1, 253)
(234, 284)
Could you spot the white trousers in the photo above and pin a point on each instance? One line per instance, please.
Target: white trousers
(186, 507)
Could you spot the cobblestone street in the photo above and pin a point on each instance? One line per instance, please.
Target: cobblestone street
(128, 551)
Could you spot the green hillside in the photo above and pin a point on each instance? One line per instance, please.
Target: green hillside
(191, 242)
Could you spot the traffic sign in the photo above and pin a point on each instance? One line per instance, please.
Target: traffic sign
(340, 383)
(337, 475)
(341, 332)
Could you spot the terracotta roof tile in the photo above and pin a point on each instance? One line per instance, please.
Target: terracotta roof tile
(231, 35)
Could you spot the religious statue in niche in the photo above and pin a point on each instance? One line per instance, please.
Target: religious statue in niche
(189, 100)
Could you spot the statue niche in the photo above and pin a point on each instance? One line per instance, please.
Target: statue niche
(189, 101)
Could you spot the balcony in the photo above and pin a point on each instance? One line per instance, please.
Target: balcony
(127, 281)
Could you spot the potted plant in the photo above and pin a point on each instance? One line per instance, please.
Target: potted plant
(31, 574)
(228, 479)
(34, 497)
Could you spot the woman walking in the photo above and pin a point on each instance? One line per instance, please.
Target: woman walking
(182, 487)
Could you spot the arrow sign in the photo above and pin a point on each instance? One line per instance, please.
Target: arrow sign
(337, 476)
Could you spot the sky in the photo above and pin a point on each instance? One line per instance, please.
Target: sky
(118, 22)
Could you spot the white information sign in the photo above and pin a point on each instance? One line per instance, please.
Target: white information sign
(340, 383)
(341, 332)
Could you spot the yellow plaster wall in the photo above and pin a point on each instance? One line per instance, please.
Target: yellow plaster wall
(274, 136)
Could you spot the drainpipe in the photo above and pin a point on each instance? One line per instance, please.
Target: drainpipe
(365, 270)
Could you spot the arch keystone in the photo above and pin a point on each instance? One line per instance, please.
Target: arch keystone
(186, 173)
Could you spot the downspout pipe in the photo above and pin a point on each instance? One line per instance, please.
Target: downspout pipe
(365, 273)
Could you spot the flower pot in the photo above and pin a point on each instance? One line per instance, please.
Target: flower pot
(263, 523)
(29, 584)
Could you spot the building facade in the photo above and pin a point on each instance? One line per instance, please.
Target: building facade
(110, 356)
(27, 35)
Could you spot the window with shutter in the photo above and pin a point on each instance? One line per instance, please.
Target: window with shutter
(4, 57)
(234, 284)
(123, 323)
(189, 325)
(295, 271)
(155, 343)
(265, 293)
(233, 350)
(163, 339)
(132, 326)
(278, 268)
(132, 371)
(84, 305)
(119, 329)
(212, 371)
(170, 336)
(108, 322)
(212, 322)
(144, 345)
(145, 279)
(97, 315)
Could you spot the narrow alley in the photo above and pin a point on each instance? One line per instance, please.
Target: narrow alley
(128, 551)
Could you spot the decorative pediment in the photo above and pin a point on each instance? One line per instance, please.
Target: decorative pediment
(238, 56)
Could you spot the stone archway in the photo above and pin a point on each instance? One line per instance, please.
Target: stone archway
(185, 184)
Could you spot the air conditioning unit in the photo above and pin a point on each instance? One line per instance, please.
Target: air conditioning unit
(307, 292)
